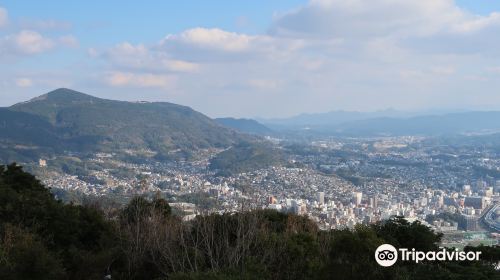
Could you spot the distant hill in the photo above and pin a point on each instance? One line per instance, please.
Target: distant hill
(246, 157)
(328, 118)
(23, 136)
(389, 123)
(446, 124)
(245, 125)
(67, 120)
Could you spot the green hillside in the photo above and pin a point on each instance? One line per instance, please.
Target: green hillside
(72, 121)
(245, 125)
(245, 157)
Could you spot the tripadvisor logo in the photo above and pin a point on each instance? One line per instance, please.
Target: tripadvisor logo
(387, 255)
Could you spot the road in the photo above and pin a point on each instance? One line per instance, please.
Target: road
(489, 218)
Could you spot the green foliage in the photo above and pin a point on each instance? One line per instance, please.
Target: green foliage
(140, 208)
(401, 233)
(23, 256)
(348, 175)
(60, 233)
(66, 120)
(245, 125)
(42, 238)
(245, 157)
(226, 275)
(201, 200)
(488, 254)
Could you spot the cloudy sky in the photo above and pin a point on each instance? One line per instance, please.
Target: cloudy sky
(257, 58)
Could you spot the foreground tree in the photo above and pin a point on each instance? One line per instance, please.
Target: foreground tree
(42, 238)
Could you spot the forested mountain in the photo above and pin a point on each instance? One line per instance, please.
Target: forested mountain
(246, 157)
(66, 120)
(245, 125)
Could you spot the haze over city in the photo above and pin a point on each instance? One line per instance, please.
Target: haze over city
(247, 59)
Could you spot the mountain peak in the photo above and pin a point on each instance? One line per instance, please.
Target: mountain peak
(44, 105)
(60, 96)
(75, 121)
(65, 94)
(65, 91)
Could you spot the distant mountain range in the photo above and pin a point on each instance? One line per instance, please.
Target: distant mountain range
(67, 120)
(433, 125)
(388, 123)
(245, 125)
(329, 118)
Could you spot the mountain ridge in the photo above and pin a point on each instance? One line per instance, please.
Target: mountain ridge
(245, 125)
(395, 124)
(86, 123)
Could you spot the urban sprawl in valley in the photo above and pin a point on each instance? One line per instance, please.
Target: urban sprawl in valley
(338, 183)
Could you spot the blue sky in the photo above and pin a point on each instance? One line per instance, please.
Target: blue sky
(480, 6)
(257, 58)
(108, 22)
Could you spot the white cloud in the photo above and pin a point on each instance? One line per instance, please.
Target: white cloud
(325, 55)
(25, 42)
(216, 45)
(44, 25)
(214, 38)
(24, 82)
(181, 66)
(477, 23)
(25, 37)
(140, 80)
(92, 52)
(141, 58)
(339, 18)
(31, 42)
(4, 18)
(129, 50)
(428, 25)
(432, 26)
(69, 41)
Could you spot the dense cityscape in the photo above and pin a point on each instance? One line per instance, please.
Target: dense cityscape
(338, 183)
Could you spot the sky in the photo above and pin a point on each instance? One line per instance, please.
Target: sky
(257, 58)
